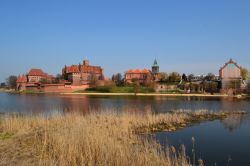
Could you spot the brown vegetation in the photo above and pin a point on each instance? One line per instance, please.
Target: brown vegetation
(105, 138)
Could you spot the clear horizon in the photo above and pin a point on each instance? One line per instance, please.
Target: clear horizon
(186, 36)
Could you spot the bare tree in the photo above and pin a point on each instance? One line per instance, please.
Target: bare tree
(190, 77)
(184, 77)
(174, 77)
(163, 77)
(210, 77)
(58, 78)
(117, 79)
(11, 81)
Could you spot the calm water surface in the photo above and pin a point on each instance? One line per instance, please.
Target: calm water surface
(223, 142)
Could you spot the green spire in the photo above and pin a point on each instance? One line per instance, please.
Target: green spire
(155, 63)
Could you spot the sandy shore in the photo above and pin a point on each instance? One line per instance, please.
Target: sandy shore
(146, 94)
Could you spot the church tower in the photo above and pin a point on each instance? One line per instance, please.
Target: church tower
(155, 67)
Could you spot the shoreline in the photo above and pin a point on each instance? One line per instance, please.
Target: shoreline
(134, 94)
(148, 94)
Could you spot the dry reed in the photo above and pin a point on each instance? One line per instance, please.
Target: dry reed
(105, 138)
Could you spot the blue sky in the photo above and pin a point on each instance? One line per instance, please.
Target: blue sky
(191, 36)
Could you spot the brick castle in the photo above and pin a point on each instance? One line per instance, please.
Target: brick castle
(74, 77)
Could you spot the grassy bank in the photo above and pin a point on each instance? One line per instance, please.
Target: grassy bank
(105, 138)
(118, 89)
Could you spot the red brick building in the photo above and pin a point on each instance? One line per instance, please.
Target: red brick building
(33, 78)
(37, 75)
(138, 75)
(143, 76)
(230, 75)
(230, 70)
(82, 74)
(21, 82)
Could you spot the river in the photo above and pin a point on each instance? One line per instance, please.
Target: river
(220, 142)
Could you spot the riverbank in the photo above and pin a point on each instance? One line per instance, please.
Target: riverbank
(132, 94)
(6, 90)
(147, 94)
(104, 138)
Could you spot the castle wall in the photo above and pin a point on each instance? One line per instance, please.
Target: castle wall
(56, 88)
(76, 79)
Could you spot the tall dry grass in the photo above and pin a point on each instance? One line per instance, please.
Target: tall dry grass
(106, 138)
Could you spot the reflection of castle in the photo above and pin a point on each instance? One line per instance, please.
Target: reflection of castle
(233, 121)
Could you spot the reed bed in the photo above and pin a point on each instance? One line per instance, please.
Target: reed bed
(104, 138)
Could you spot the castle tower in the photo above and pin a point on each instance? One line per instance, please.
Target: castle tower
(86, 62)
(155, 67)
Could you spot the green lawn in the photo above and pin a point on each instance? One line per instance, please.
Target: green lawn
(118, 89)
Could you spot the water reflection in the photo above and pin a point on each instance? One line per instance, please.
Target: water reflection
(234, 121)
(48, 103)
(234, 104)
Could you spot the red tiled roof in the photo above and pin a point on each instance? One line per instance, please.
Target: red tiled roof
(21, 79)
(36, 72)
(86, 69)
(90, 69)
(72, 69)
(138, 71)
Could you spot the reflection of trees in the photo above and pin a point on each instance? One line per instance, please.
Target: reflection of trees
(136, 106)
(233, 121)
(78, 104)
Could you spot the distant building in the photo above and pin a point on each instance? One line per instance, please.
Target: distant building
(230, 75)
(155, 70)
(37, 75)
(138, 75)
(82, 74)
(155, 67)
(143, 76)
(33, 78)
